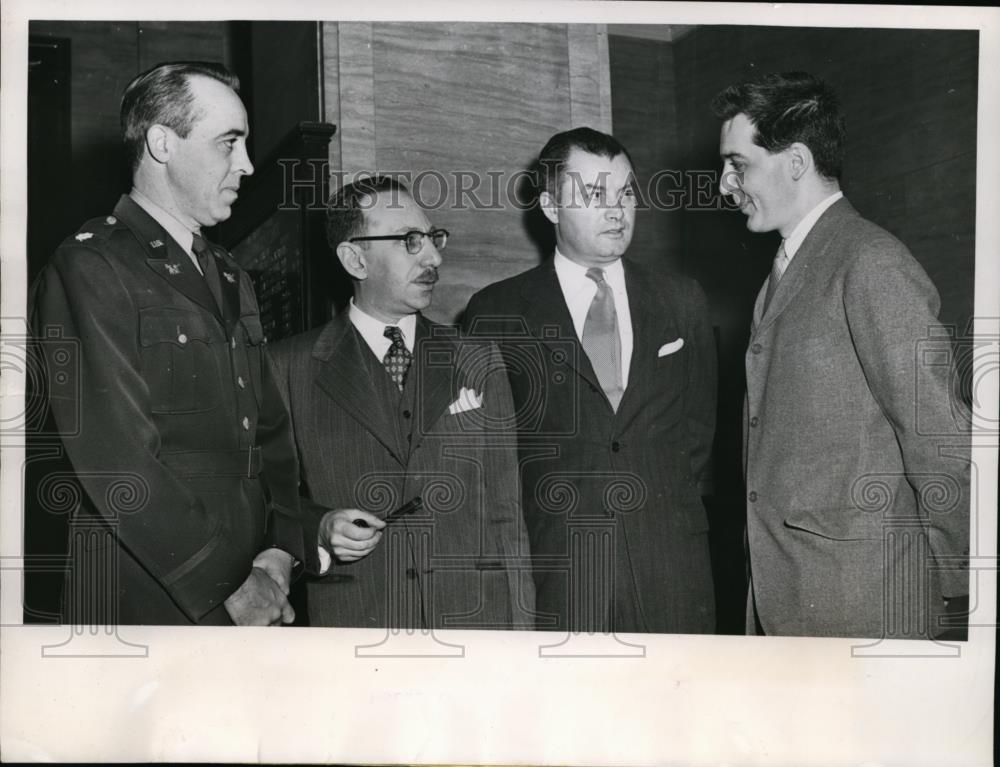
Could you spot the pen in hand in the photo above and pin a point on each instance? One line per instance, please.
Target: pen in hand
(407, 508)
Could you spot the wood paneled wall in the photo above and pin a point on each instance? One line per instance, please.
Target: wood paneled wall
(464, 106)
(643, 101)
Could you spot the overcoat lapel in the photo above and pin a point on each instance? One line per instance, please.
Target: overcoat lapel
(342, 374)
(165, 257)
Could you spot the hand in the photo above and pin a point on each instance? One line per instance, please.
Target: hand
(259, 602)
(345, 540)
(277, 564)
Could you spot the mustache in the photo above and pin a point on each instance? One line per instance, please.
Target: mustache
(428, 276)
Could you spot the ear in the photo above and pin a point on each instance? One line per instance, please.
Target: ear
(800, 160)
(353, 259)
(158, 142)
(549, 207)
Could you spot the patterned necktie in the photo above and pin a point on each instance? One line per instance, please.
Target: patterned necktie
(206, 260)
(601, 341)
(397, 360)
(777, 270)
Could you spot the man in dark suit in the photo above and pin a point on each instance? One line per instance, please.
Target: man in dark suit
(857, 472)
(388, 407)
(612, 366)
(182, 454)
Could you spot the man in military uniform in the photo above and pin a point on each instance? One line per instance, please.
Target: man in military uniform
(187, 508)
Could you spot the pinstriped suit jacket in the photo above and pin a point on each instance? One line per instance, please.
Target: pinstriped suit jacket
(857, 467)
(461, 562)
(618, 531)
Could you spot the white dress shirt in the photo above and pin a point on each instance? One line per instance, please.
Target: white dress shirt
(794, 240)
(373, 330)
(579, 290)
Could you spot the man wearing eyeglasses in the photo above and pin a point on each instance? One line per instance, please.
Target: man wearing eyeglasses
(406, 443)
(612, 366)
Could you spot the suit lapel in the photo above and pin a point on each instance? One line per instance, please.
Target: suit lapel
(798, 271)
(435, 363)
(654, 323)
(165, 257)
(547, 316)
(341, 372)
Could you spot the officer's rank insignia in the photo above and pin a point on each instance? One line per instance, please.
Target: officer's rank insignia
(156, 243)
(173, 268)
(84, 236)
(110, 220)
(229, 276)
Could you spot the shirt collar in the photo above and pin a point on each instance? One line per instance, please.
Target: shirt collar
(571, 273)
(178, 231)
(373, 330)
(794, 240)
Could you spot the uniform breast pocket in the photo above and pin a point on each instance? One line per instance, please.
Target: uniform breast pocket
(180, 360)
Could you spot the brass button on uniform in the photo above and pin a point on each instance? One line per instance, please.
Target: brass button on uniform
(182, 339)
(246, 423)
(754, 421)
(756, 348)
(752, 497)
(615, 446)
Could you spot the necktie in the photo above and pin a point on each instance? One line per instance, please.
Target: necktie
(777, 269)
(397, 360)
(206, 260)
(601, 341)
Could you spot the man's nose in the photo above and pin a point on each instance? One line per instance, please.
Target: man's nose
(430, 256)
(241, 160)
(730, 183)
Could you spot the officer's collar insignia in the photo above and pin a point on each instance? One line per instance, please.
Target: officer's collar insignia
(156, 244)
(229, 276)
(173, 268)
(84, 236)
(110, 220)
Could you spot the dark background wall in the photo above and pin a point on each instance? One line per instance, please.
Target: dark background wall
(909, 97)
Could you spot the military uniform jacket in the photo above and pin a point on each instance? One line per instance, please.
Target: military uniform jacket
(168, 414)
(612, 500)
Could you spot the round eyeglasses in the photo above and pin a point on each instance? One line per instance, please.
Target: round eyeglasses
(414, 239)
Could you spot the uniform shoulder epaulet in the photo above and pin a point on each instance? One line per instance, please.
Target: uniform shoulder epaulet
(95, 230)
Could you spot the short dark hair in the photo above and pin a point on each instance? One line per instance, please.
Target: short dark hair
(161, 96)
(786, 108)
(552, 158)
(345, 210)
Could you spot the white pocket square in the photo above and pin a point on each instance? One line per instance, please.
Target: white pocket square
(468, 399)
(673, 346)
